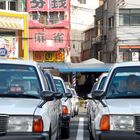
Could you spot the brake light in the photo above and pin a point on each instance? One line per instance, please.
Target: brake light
(105, 123)
(37, 124)
(65, 110)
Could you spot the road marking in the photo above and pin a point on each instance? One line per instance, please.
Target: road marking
(80, 132)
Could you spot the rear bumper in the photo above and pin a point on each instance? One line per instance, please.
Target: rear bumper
(25, 136)
(117, 135)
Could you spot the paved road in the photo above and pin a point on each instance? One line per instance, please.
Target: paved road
(78, 127)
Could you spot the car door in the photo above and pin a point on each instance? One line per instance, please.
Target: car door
(57, 103)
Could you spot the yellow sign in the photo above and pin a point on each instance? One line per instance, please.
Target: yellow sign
(50, 56)
(59, 56)
(38, 56)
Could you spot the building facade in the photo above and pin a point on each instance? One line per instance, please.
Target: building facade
(118, 30)
(81, 19)
(49, 27)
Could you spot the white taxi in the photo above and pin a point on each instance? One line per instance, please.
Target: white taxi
(28, 110)
(117, 106)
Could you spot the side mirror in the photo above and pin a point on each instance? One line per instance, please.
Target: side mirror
(58, 95)
(47, 95)
(97, 94)
(68, 95)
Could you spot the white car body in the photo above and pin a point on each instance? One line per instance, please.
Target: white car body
(64, 100)
(30, 106)
(66, 103)
(122, 111)
(75, 102)
(90, 103)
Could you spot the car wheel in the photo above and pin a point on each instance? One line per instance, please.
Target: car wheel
(50, 134)
(65, 133)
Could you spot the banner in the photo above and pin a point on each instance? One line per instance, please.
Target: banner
(8, 47)
(48, 39)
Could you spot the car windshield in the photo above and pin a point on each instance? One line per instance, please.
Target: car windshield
(125, 83)
(19, 81)
(101, 85)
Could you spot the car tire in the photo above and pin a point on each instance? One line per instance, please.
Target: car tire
(65, 133)
(59, 132)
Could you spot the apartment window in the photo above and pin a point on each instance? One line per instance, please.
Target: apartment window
(129, 17)
(8, 5)
(111, 22)
(82, 1)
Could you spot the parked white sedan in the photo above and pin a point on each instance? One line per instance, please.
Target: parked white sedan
(66, 106)
(28, 110)
(75, 101)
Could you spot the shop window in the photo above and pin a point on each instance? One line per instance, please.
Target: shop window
(8, 5)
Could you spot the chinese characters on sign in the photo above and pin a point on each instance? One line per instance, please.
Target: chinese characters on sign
(49, 40)
(58, 37)
(37, 4)
(41, 37)
(59, 4)
(44, 5)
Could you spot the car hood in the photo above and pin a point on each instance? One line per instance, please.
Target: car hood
(123, 106)
(18, 106)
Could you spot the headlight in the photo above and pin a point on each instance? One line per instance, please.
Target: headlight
(125, 123)
(20, 124)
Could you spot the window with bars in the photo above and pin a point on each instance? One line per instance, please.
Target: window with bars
(8, 5)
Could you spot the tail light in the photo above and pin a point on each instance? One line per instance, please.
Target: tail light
(105, 123)
(65, 110)
(37, 125)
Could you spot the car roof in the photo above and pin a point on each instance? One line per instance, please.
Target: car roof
(126, 64)
(57, 77)
(18, 61)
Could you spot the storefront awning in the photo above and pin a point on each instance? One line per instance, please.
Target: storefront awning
(78, 67)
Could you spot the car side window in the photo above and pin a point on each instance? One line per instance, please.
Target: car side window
(44, 79)
(59, 85)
